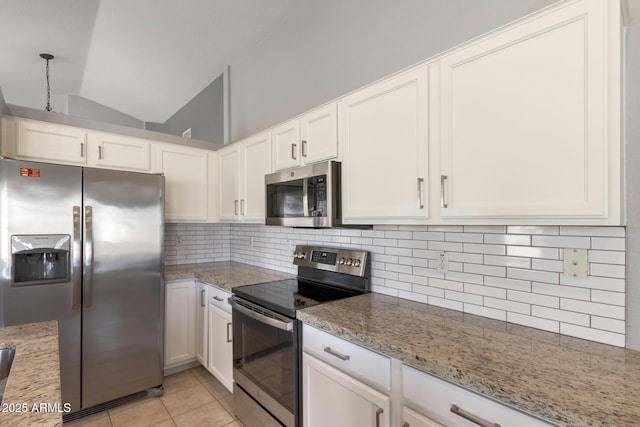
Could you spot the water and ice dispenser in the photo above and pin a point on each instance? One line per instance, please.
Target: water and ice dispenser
(40, 259)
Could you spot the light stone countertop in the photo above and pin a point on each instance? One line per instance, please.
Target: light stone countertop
(566, 380)
(34, 378)
(226, 274)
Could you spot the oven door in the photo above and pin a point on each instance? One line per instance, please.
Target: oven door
(265, 365)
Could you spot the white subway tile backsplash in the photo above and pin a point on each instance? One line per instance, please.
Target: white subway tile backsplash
(533, 275)
(608, 243)
(507, 261)
(510, 273)
(485, 249)
(532, 229)
(561, 242)
(608, 270)
(534, 322)
(560, 315)
(533, 252)
(603, 310)
(607, 257)
(593, 334)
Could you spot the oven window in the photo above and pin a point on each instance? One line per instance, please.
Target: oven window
(265, 355)
(285, 199)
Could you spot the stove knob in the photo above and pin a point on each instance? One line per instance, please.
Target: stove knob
(341, 261)
(356, 263)
(349, 261)
(301, 255)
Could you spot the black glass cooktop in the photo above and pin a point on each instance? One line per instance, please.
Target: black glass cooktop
(287, 296)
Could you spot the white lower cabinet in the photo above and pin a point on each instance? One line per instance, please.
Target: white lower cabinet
(343, 384)
(439, 401)
(333, 398)
(220, 351)
(201, 323)
(180, 323)
(411, 418)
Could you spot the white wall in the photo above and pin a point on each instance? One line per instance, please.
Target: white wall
(331, 47)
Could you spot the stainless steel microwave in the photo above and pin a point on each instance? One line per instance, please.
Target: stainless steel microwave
(306, 196)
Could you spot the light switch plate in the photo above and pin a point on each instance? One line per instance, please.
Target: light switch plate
(575, 263)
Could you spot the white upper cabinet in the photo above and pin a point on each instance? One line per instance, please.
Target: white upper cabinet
(49, 142)
(186, 186)
(529, 119)
(119, 152)
(307, 139)
(384, 155)
(242, 167)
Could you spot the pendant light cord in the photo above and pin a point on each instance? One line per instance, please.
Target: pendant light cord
(47, 57)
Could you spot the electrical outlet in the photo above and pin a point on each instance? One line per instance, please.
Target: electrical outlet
(575, 263)
(251, 241)
(179, 241)
(442, 265)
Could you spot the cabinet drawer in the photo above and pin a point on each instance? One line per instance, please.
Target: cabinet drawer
(219, 297)
(369, 366)
(435, 397)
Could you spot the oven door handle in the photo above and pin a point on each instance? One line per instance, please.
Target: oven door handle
(276, 323)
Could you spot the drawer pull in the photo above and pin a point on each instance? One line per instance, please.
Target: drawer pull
(379, 412)
(217, 298)
(202, 298)
(471, 417)
(228, 333)
(336, 354)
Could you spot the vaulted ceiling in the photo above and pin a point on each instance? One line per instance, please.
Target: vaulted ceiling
(145, 58)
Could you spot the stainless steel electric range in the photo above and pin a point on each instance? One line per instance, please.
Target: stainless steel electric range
(267, 338)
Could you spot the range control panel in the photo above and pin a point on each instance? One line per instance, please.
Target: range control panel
(331, 259)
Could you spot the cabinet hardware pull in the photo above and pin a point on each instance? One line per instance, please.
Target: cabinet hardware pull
(82, 149)
(304, 148)
(235, 207)
(420, 183)
(294, 147)
(379, 412)
(471, 417)
(202, 298)
(443, 200)
(241, 206)
(217, 298)
(228, 334)
(336, 354)
(99, 152)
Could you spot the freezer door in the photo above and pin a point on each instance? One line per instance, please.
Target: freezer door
(122, 334)
(38, 201)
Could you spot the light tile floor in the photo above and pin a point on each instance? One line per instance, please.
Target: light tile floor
(191, 398)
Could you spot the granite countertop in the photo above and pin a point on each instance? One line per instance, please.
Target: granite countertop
(226, 275)
(35, 376)
(566, 380)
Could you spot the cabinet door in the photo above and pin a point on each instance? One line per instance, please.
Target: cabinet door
(256, 163)
(220, 360)
(384, 166)
(51, 142)
(332, 398)
(180, 323)
(202, 336)
(116, 151)
(286, 145)
(411, 418)
(229, 183)
(524, 119)
(319, 135)
(185, 171)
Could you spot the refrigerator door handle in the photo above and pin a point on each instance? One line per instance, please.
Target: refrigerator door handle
(77, 260)
(88, 256)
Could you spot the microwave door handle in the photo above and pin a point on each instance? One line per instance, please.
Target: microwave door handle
(305, 196)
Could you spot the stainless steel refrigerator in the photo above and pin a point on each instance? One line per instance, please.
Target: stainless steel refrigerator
(84, 246)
